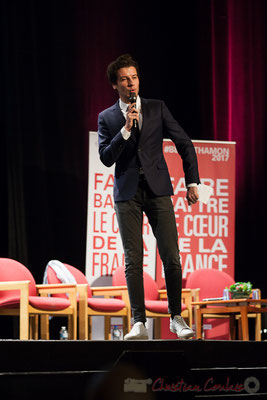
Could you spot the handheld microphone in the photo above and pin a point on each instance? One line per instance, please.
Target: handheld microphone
(133, 98)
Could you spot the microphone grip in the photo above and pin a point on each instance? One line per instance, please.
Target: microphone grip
(133, 98)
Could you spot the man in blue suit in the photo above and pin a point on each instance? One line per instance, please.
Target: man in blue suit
(131, 134)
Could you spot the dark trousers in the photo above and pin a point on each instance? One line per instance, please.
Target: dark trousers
(160, 213)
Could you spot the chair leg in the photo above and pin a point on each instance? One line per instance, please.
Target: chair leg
(24, 315)
(244, 323)
(232, 327)
(240, 337)
(31, 327)
(83, 321)
(44, 327)
(190, 319)
(83, 327)
(199, 322)
(107, 328)
(129, 320)
(75, 334)
(34, 325)
(124, 325)
(89, 328)
(157, 328)
(71, 327)
(258, 327)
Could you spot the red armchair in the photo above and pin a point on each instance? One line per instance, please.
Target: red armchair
(211, 283)
(20, 296)
(89, 306)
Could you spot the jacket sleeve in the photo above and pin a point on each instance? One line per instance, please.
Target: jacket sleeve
(110, 147)
(183, 144)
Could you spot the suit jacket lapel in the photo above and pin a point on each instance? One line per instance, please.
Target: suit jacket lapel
(118, 118)
(144, 110)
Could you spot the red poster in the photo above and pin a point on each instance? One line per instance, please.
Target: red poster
(206, 231)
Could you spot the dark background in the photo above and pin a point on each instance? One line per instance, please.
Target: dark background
(206, 59)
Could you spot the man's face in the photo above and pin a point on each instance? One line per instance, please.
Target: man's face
(127, 82)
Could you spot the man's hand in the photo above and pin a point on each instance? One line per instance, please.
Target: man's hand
(132, 113)
(192, 195)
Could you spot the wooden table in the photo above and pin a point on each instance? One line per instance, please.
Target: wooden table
(231, 308)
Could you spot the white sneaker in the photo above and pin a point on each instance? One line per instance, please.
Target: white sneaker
(178, 326)
(138, 332)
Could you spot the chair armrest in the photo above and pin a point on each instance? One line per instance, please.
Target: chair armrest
(56, 288)
(162, 294)
(109, 290)
(195, 294)
(187, 297)
(14, 285)
(112, 291)
(82, 289)
(192, 294)
(23, 287)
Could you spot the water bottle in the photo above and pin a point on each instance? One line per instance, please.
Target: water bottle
(116, 333)
(63, 333)
(226, 294)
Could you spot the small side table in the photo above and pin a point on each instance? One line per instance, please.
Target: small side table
(233, 307)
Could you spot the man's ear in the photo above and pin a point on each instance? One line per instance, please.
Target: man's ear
(114, 86)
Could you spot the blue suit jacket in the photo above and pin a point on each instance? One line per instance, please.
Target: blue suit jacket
(158, 124)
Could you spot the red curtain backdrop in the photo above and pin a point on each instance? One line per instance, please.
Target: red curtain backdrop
(205, 58)
(238, 56)
(225, 40)
(238, 113)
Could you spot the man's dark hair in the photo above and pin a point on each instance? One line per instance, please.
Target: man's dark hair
(123, 61)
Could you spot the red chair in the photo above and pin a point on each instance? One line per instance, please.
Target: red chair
(211, 283)
(89, 306)
(155, 300)
(20, 296)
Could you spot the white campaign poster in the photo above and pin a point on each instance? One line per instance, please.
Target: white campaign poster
(104, 251)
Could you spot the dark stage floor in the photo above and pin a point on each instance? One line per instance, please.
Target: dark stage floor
(154, 369)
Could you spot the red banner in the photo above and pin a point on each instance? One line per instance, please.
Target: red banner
(206, 231)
